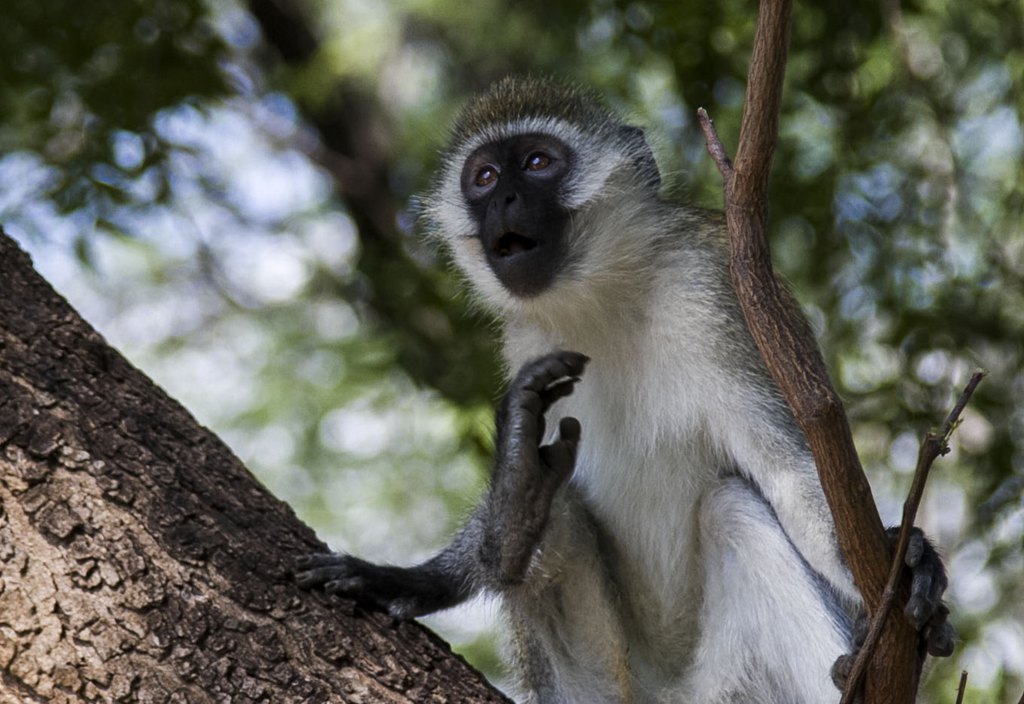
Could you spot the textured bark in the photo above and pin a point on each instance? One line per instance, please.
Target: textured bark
(140, 562)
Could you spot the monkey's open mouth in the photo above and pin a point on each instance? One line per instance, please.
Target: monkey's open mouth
(512, 243)
(525, 265)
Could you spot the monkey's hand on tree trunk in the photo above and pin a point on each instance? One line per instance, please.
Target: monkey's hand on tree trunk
(495, 547)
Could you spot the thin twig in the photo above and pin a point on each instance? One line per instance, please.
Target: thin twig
(934, 445)
(714, 144)
(963, 688)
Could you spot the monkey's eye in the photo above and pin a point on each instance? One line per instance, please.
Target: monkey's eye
(486, 176)
(537, 161)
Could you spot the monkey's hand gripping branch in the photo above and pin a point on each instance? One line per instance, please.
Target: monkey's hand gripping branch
(495, 548)
(924, 609)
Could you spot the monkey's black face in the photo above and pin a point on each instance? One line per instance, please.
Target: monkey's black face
(514, 191)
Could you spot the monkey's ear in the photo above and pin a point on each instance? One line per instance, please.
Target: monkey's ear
(643, 158)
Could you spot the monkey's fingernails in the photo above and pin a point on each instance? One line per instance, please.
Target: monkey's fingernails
(557, 390)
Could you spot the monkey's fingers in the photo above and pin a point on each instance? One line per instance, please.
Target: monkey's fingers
(939, 634)
(915, 546)
(841, 669)
(538, 384)
(543, 372)
(560, 455)
(926, 590)
(557, 391)
(319, 569)
(928, 583)
(339, 574)
(928, 577)
(404, 592)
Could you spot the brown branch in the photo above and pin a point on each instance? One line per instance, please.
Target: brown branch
(934, 445)
(715, 147)
(962, 688)
(759, 127)
(792, 357)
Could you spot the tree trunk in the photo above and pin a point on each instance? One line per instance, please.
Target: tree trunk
(141, 562)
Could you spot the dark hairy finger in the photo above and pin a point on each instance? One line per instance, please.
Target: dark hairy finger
(541, 373)
(560, 455)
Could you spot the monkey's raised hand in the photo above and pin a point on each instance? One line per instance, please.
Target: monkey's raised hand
(924, 608)
(526, 473)
(494, 548)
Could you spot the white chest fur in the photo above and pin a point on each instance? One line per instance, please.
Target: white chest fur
(642, 470)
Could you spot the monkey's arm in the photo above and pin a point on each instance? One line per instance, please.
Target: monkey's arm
(494, 549)
(404, 592)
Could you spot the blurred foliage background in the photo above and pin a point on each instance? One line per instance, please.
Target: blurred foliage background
(226, 190)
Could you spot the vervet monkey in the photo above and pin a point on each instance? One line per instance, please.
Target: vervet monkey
(667, 539)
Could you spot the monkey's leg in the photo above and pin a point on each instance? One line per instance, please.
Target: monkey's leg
(770, 627)
(569, 645)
